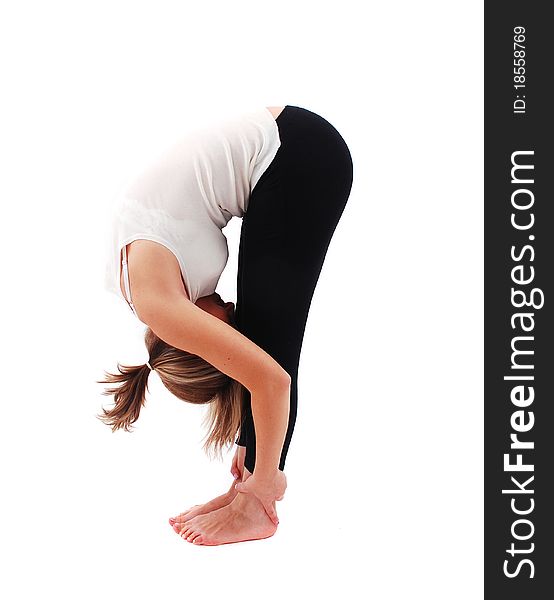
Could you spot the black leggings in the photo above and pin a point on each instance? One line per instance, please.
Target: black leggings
(291, 217)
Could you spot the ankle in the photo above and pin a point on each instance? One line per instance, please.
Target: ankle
(247, 503)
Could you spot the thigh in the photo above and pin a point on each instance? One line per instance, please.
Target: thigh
(273, 301)
(292, 214)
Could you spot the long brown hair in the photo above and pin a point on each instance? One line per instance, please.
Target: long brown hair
(188, 377)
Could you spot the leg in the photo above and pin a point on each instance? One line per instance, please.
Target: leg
(291, 217)
(292, 214)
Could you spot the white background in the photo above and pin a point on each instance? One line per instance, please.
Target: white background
(384, 471)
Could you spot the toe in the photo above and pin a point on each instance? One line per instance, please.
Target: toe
(183, 516)
(192, 536)
(197, 539)
(180, 528)
(184, 513)
(185, 531)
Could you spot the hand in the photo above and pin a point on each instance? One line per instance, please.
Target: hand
(237, 466)
(267, 490)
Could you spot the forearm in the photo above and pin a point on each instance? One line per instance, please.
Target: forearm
(270, 412)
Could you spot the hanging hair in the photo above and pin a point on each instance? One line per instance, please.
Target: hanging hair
(188, 377)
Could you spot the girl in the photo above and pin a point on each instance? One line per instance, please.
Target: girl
(287, 173)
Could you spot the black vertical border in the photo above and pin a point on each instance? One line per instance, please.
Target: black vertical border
(505, 133)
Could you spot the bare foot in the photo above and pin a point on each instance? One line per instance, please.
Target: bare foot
(226, 498)
(201, 509)
(242, 519)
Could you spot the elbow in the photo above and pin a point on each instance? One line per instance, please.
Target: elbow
(280, 380)
(276, 382)
(286, 379)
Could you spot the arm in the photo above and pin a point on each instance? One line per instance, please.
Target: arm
(179, 322)
(162, 303)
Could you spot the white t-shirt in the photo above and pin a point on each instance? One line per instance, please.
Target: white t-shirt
(186, 195)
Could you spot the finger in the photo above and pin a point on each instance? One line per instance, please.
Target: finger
(244, 487)
(271, 513)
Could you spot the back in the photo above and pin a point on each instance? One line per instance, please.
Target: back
(186, 195)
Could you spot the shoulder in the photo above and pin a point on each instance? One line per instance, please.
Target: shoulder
(154, 271)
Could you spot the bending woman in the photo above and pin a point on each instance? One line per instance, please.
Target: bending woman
(288, 173)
